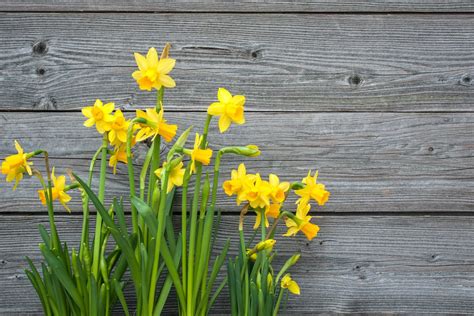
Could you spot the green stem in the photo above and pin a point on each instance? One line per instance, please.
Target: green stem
(156, 146)
(98, 223)
(262, 221)
(278, 302)
(192, 230)
(85, 207)
(158, 241)
(184, 228)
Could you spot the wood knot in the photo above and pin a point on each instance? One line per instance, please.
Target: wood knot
(354, 80)
(46, 103)
(40, 48)
(466, 80)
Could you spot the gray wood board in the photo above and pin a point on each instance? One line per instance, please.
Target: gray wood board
(381, 264)
(280, 62)
(306, 6)
(371, 162)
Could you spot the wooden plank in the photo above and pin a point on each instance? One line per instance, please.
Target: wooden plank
(242, 6)
(371, 162)
(381, 264)
(280, 62)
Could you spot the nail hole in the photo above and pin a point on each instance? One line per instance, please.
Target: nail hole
(430, 149)
(40, 71)
(466, 79)
(355, 80)
(254, 54)
(40, 48)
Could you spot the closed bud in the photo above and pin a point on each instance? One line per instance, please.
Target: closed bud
(248, 151)
(266, 244)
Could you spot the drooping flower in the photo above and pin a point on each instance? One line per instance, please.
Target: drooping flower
(175, 177)
(153, 72)
(198, 154)
(288, 283)
(156, 125)
(312, 190)
(278, 188)
(119, 155)
(118, 129)
(259, 192)
(239, 183)
(302, 221)
(272, 210)
(14, 166)
(229, 109)
(58, 190)
(100, 115)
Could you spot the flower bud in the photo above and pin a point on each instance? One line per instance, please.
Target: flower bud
(266, 244)
(248, 151)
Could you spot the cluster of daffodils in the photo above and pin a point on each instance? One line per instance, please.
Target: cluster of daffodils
(266, 198)
(88, 281)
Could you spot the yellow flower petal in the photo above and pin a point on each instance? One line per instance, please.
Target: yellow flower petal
(224, 123)
(223, 95)
(216, 108)
(141, 61)
(166, 65)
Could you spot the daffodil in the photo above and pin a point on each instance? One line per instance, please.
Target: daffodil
(118, 129)
(239, 183)
(198, 154)
(153, 72)
(258, 193)
(58, 190)
(267, 244)
(100, 115)
(312, 190)
(14, 166)
(288, 283)
(229, 109)
(156, 125)
(175, 177)
(119, 155)
(272, 210)
(302, 221)
(278, 188)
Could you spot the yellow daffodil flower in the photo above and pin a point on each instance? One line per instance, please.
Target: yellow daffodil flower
(239, 183)
(15, 165)
(263, 245)
(301, 222)
(278, 189)
(119, 155)
(312, 190)
(259, 192)
(156, 125)
(175, 177)
(59, 185)
(288, 283)
(198, 154)
(118, 129)
(272, 210)
(153, 72)
(100, 115)
(229, 108)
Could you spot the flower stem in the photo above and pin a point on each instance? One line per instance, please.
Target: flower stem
(98, 222)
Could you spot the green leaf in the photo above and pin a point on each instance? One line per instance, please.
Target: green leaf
(44, 235)
(146, 212)
(60, 272)
(118, 291)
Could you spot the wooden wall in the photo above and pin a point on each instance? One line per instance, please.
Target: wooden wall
(377, 95)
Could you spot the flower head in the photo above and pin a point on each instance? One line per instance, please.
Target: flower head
(312, 190)
(175, 177)
(278, 188)
(198, 154)
(272, 210)
(259, 192)
(15, 165)
(288, 283)
(156, 125)
(239, 183)
(301, 222)
(58, 190)
(229, 108)
(100, 115)
(118, 129)
(153, 72)
(119, 155)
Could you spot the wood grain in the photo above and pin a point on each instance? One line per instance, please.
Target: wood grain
(381, 264)
(379, 162)
(242, 6)
(324, 62)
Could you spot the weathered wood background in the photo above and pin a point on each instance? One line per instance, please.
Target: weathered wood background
(378, 95)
